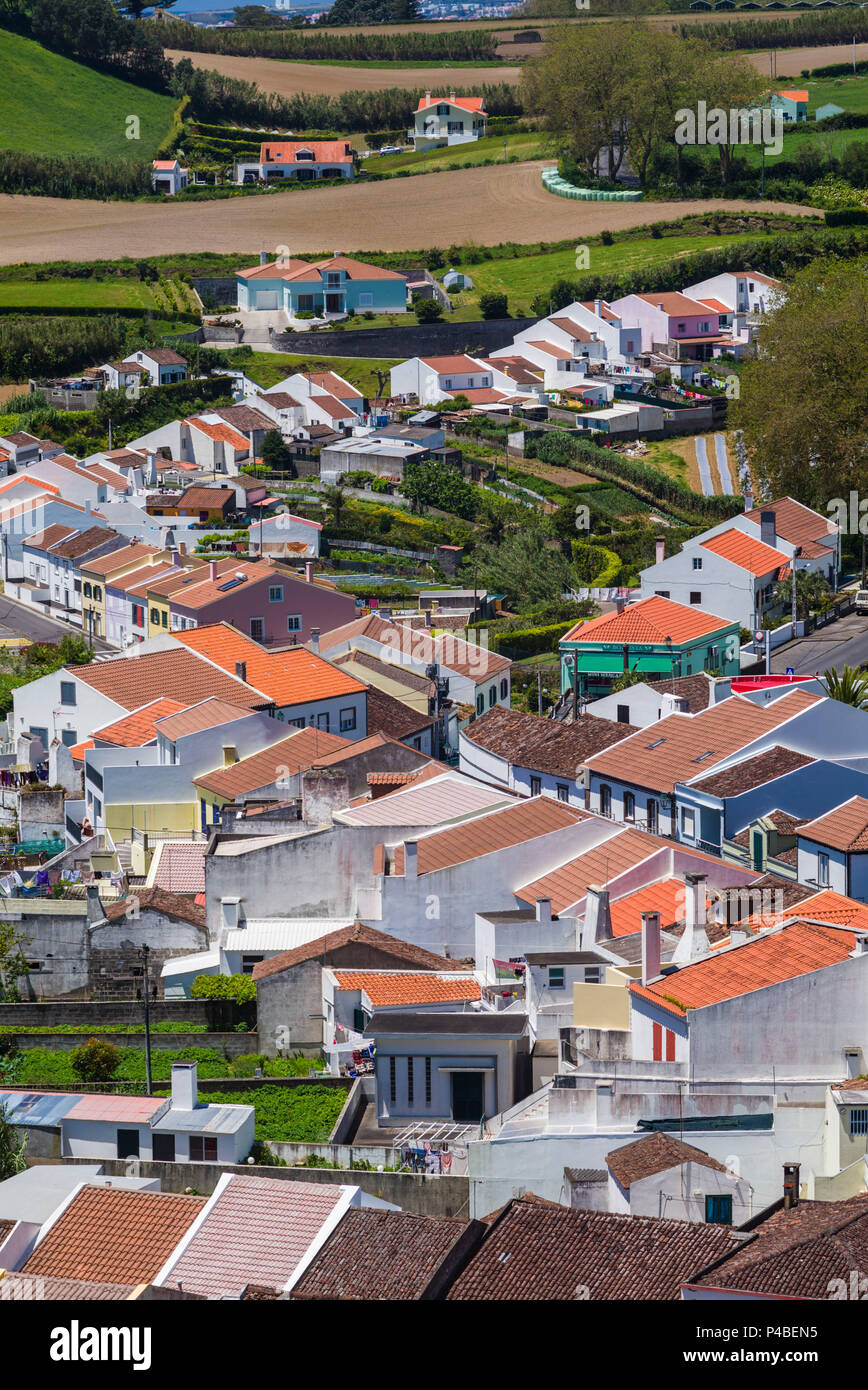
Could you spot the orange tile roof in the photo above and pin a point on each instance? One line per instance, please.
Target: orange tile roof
(223, 433)
(114, 1235)
(829, 906)
(78, 750)
(117, 559)
(673, 303)
(286, 677)
(795, 94)
(336, 386)
(206, 591)
(280, 760)
(558, 352)
(666, 897)
(177, 674)
(485, 834)
(137, 729)
(389, 989)
(797, 523)
(679, 747)
(332, 407)
(192, 719)
(459, 362)
(744, 551)
(651, 620)
(568, 883)
(784, 953)
(286, 151)
(845, 828)
(466, 103)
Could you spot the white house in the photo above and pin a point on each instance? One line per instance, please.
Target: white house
(433, 379)
(452, 120)
(168, 177)
(833, 849)
(302, 160)
(163, 365)
(740, 292)
(660, 1175)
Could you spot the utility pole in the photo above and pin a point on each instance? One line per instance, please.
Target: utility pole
(863, 562)
(575, 687)
(110, 433)
(145, 993)
(539, 691)
(794, 607)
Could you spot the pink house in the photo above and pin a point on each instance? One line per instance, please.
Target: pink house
(269, 605)
(672, 322)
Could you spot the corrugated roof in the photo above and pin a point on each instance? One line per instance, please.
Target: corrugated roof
(443, 798)
(114, 1236)
(798, 948)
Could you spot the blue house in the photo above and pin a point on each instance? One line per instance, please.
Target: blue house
(327, 288)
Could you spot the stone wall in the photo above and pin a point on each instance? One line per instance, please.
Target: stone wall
(220, 1015)
(231, 1044)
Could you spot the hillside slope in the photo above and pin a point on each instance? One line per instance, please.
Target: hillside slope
(51, 105)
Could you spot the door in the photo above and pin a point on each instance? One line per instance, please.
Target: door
(651, 813)
(334, 303)
(257, 629)
(468, 1096)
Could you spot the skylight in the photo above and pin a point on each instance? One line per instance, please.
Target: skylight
(707, 754)
(656, 744)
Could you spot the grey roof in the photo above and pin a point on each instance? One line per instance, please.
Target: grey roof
(504, 1024)
(586, 1175)
(35, 1194)
(220, 1119)
(629, 948)
(518, 914)
(566, 958)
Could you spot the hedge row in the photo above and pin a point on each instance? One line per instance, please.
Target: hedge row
(530, 641)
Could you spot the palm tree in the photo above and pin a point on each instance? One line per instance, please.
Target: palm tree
(334, 498)
(849, 685)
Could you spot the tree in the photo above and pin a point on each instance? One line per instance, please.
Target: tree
(12, 1158)
(334, 498)
(256, 17)
(276, 452)
(13, 962)
(524, 567)
(849, 685)
(811, 592)
(96, 1060)
(804, 394)
(428, 310)
(434, 483)
(493, 306)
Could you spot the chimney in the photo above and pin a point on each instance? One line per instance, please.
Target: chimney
(598, 308)
(861, 946)
(314, 639)
(619, 606)
(598, 918)
(241, 670)
(182, 547)
(427, 617)
(308, 571)
(659, 549)
(185, 1086)
(451, 96)
(543, 909)
(791, 1185)
(263, 256)
(176, 558)
(323, 791)
(748, 494)
(94, 906)
(768, 533)
(212, 570)
(694, 941)
(427, 96)
(411, 858)
(650, 946)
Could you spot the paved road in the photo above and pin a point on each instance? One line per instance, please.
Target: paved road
(21, 620)
(844, 643)
(703, 465)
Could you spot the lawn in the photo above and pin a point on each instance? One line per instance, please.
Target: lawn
(525, 145)
(293, 1114)
(52, 105)
(524, 277)
(268, 368)
(56, 296)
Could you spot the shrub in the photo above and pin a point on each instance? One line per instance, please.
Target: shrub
(493, 306)
(96, 1060)
(238, 987)
(529, 641)
(428, 310)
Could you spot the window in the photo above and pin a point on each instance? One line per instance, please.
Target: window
(695, 596)
(97, 592)
(348, 719)
(629, 806)
(155, 616)
(393, 1087)
(556, 977)
(651, 817)
(593, 974)
(697, 562)
(138, 615)
(322, 722)
(448, 383)
(163, 1148)
(247, 962)
(86, 589)
(623, 714)
(257, 629)
(605, 801)
(480, 704)
(67, 692)
(718, 1208)
(203, 1149)
(662, 593)
(275, 593)
(128, 1143)
(68, 737)
(492, 697)
(504, 688)
(629, 345)
(687, 822)
(293, 623)
(410, 1061)
(427, 1080)
(823, 869)
(563, 792)
(535, 786)
(859, 1120)
(365, 301)
(164, 618)
(295, 723)
(333, 279)
(681, 327)
(305, 303)
(703, 327)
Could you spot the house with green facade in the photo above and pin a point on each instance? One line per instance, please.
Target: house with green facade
(651, 639)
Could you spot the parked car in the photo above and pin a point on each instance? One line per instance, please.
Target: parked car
(390, 149)
(862, 601)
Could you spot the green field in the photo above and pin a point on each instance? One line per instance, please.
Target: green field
(57, 295)
(268, 368)
(525, 145)
(51, 105)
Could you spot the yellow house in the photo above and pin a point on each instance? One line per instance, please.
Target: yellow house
(159, 594)
(98, 574)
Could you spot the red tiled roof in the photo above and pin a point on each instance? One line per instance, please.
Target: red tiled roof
(651, 620)
(391, 989)
(495, 830)
(466, 103)
(795, 522)
(286, 152)
(176, 674)
(336, 946)
(115, 1236)
(845, 828)
(673, 303)
(568, 883)
(137, 729)
(281, 760)
(799, 948)
(180, 867)
(746, 552)
(286, 677)
(666, 896)
(544, 745)
(222, 433)
(205, 714)
(381, 1255)
(655, 1154)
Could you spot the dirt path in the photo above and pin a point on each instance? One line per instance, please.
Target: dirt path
(485, 204)
(791, 61)
(288, 79)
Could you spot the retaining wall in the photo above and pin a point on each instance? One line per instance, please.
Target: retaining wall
(219, 1015)
(231, 1044)
(408, 340)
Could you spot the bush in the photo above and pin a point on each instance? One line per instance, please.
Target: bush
(529, 641)
(238, 987)
(97, 1060)
(493, 306)
(428, 310)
